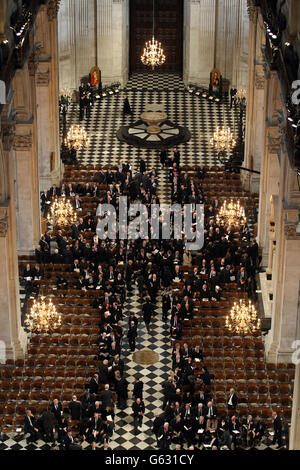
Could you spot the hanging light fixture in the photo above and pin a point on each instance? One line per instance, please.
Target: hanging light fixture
(231, 213)
(43, 316)
(77, 138)
(223, 141)
(243, 319)
(61, 213)
(153, 54)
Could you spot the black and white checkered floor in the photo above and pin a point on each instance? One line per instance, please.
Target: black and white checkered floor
(201, 117)
(198, 114)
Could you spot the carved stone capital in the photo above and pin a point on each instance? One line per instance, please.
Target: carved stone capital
(252, 11)
(8, 130)
(52, 9)
(23, 142)
(3, 222)
(43, 78)
(34, 59)
(259, 81)
(290, 232)
(274, 139)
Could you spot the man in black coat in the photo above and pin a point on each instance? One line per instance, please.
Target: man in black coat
(232, 400)
(164, 437)
(277, 423)
(147, 313)
(48, 419)
(30, 426)
(56, 408)
(106, 397)
(94, 384)
(158, 423)
(142, 166)
(131, 335)
(121, 387)
(169, 391)
(138, 388)
(75, 408)
(103, 372)
(138, 409)
(126, 106)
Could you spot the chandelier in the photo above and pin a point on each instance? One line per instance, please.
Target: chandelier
(61, 213)
(231, 213)
(240, 96)
(43, 316)
(153, 54)
(243, 319)
(77, 138)
(223, 139)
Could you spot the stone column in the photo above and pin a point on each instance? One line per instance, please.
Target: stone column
(199, 41)
(256, 105)
(295, 425)
(45, 69)
(113, 40)
(285, 274)
(26, 155)
(13, 339)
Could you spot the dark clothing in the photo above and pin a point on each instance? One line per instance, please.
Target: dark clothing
(138, 389)
(126, 106)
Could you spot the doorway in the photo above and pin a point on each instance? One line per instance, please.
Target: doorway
(168, 31)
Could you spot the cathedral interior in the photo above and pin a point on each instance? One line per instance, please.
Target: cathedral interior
(215, 121)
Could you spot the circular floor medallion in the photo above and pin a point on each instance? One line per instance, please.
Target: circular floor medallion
(145, 357)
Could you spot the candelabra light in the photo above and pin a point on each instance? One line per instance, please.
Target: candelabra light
(243, 319)
(61, 213)
(231, 213)
(77, 138)
(153, 54)
(43, 316)
(223, 139)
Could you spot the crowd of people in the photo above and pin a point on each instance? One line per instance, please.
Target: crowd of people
(113, 267)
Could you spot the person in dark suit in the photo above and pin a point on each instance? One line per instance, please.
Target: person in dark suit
(248, 431)
(126, 105)
(106, 397)
(233, 92)
(142, 166)
(234, 429)
(138, 409)
(121, 387)
(177, 156)
(56, 408)
(147, 313)
(232, 400)
(94, 428)
(70, 443)
(75, 408)
(138, 388)
(277, 423)
(103, 372)
(211, 415)
(48, 419)
(163, 157)
(164, 436)
(30, 426)
(131, 335)
(94, 384)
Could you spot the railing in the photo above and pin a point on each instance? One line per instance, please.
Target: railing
(21, 48)
(275, 60)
